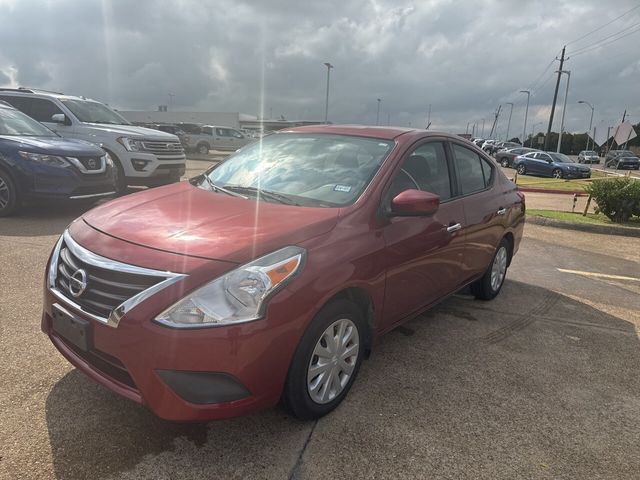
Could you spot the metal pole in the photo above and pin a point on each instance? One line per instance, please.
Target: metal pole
(429, 116)
(590, 124)
(509, 122)
(326, 103)
(564, 108)
(378, 113)
(553, 105)
(526, 113)
(467, 130)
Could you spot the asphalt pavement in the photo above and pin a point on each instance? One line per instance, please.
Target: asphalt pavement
(542, 382)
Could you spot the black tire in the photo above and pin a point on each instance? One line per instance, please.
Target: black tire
(557, 173)
(10, 200)
(295, 396)
(504, 162)
(483, 288)
(203, 148)
(522, 170)
(120, 180)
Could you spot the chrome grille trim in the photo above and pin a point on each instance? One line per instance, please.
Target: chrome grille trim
(162, 148)
(59, 266)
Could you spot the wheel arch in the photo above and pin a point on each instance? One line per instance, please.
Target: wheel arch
(362, 299)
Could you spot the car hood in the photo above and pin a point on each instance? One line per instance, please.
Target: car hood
(54, 145)
(188, 220)
(134, 132)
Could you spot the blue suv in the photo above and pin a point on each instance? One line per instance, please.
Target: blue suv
(35, 163)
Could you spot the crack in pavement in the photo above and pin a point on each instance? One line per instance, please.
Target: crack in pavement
(297, 467)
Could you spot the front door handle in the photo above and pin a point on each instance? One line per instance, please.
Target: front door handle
(454, 228)
(502, 211)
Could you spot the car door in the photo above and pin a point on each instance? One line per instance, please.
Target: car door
(222, 139)
(534, 164)
(423, 255)
(485, 209)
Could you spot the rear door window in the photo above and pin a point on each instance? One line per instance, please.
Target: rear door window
(471, 169)
(21, 103)
(42, 110)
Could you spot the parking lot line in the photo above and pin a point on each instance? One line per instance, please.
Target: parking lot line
(599, 275)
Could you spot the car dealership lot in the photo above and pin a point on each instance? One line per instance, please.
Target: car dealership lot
(540, 383)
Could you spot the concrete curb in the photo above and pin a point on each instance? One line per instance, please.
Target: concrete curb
(546, 190)
(584, 227)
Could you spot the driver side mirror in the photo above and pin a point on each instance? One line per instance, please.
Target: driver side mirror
(414, 203)
(60, 118)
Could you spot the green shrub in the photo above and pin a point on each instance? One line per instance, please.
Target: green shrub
(618, 198)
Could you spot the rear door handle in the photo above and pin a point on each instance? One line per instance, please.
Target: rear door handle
(502, 211)
(454, 228)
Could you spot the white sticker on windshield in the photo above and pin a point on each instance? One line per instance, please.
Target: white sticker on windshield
(342, 188)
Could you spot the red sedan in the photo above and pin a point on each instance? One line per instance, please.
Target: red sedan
(269, 276)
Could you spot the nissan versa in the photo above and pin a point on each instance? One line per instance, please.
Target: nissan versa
(270, 276)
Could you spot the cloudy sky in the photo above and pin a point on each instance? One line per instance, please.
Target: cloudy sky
(463, 57)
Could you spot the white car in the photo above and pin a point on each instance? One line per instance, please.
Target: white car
(143, 156)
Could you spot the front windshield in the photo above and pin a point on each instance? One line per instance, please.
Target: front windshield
(306, 169)
(560, 158)
(13, 122)
(94, 112)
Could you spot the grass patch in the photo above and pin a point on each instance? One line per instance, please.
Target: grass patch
(592, 218)
(529, 181)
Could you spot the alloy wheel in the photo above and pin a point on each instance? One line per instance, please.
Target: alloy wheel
(557, 173)
(521, 169)
(499, 269)
(333, 361)
(4, 194)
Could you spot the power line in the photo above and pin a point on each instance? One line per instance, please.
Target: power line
(532, 86)
(595, 44)
(602, 26)
(595, 47)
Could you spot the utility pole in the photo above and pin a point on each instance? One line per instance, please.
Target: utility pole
(326, 103)
(526, 113)
(555, 98)
(509, 122)
(378, 112)
(495, 121)
(564, 108)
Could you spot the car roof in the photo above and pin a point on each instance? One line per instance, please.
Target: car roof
(24, 92)
(383, 133)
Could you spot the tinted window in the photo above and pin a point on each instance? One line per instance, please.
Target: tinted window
(42, 109)
(207, 130)
(424, 169)
(13, 122)
(21, 103)
(470, 169)
(220, 132)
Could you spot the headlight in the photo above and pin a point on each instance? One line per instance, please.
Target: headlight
(131, 144)
(238, 296)
(52, 160)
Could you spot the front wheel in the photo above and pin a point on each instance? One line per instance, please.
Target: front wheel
(326, 361)
(521, 169)
(557, 173)
(203, 149)
(504, 162)
(490, 284)
(9, 195)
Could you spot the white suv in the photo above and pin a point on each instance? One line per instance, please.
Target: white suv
(143, 156)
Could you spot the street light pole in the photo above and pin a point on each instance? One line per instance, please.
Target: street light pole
(326, 104)
(526, 113)
(509, 122)
(590, 121)
(378, 112)
(564, 108)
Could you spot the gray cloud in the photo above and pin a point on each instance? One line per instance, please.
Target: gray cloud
(463, 58)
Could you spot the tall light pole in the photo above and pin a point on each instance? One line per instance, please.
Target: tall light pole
(590, 121)
(378, 112)
(509, 122)
(326, 103)
(564, 108)
(526, 114)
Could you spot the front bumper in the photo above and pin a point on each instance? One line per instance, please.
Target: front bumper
(52, 183)
(184, 375)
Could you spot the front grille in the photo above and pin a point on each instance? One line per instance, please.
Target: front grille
(163, 148)
(105, 289)
(91, 163)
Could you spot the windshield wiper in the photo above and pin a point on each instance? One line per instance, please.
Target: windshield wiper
(218, 188)
(258, 192)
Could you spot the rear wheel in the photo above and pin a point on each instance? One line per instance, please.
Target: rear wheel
(557, 173)
(490, 284)
(202, 148)
(504, 162)
(326, 361)
(9, 196)
(120, 180)
(521, 169)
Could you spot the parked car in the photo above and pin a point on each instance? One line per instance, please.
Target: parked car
(625, 161)
(478, 142)
(499, 146)
(35, 163)
(142, 156)
(550, 164)
(588, 156)
(506, 157)
(269, 276)
(619, 159)
(211, 137)
(487, 145)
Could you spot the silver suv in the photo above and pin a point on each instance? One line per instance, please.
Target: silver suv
(142, 156)
(209, 137)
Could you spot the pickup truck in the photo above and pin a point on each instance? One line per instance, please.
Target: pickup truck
(210, 137)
